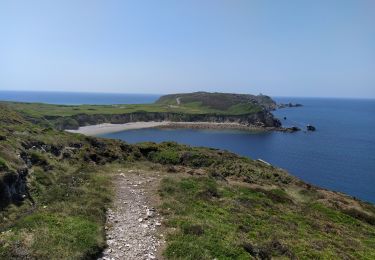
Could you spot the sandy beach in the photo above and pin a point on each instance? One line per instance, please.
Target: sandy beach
(112, 128)
(106, 128)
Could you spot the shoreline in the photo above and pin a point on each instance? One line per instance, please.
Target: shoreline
(107, 128)
(215, 125)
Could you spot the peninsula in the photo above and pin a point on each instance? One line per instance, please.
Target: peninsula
(192, 110)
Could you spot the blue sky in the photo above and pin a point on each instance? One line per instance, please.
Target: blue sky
(280, 48)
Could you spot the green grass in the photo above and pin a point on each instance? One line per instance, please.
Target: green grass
(54, 232)
(39, 110)
(68, 217)
(220, 101)
(62, 215)
(211, 219)
(165, 157)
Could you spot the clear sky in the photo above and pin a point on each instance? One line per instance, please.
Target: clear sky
(279, 48)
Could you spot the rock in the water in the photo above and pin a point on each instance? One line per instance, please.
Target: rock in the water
(310, 128)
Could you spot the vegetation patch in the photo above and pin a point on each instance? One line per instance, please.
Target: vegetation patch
(3, 165)
(165, 157)
(66, 220)
(237, 222)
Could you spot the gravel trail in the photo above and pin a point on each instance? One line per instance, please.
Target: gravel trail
(132, 224)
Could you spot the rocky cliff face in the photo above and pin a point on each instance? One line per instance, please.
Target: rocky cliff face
(13, 187)
(260, 119)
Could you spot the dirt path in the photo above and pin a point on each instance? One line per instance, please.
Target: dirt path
(133, 223)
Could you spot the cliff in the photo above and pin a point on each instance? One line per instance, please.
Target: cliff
(259, 119)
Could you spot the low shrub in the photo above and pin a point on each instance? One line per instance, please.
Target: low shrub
(165, 157)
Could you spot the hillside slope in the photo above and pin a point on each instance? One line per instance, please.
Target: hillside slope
(240, 103)
(56, 187)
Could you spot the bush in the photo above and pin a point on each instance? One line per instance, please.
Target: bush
(165, 157)
(196, 159)
(63, 123)
(358, 214)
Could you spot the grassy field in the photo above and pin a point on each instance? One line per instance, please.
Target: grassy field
(218, 101)
(222, 206)
(192, 103)
(213, 219)
(67, 219)
(39, 110)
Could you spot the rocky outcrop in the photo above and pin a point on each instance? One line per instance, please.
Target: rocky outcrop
(13, 188)
(285, 105)
(310, 128)
(291, 129)
(260, 119)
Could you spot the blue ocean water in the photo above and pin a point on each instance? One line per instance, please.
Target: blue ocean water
(76, 98)
(340, 155)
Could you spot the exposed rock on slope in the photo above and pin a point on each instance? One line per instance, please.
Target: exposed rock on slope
(260, 119)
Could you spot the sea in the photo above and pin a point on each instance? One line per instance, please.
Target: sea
(339, 155)
(76, 98)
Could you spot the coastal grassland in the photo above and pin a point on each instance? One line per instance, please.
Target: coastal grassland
(40, 110)
(219, 101)
(220, 205)
(67, 219)
(208, 219)
(192, 103)
(56, 211)
(62, 213)
(54, 190)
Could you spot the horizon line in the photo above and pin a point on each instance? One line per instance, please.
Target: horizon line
(161, 94)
